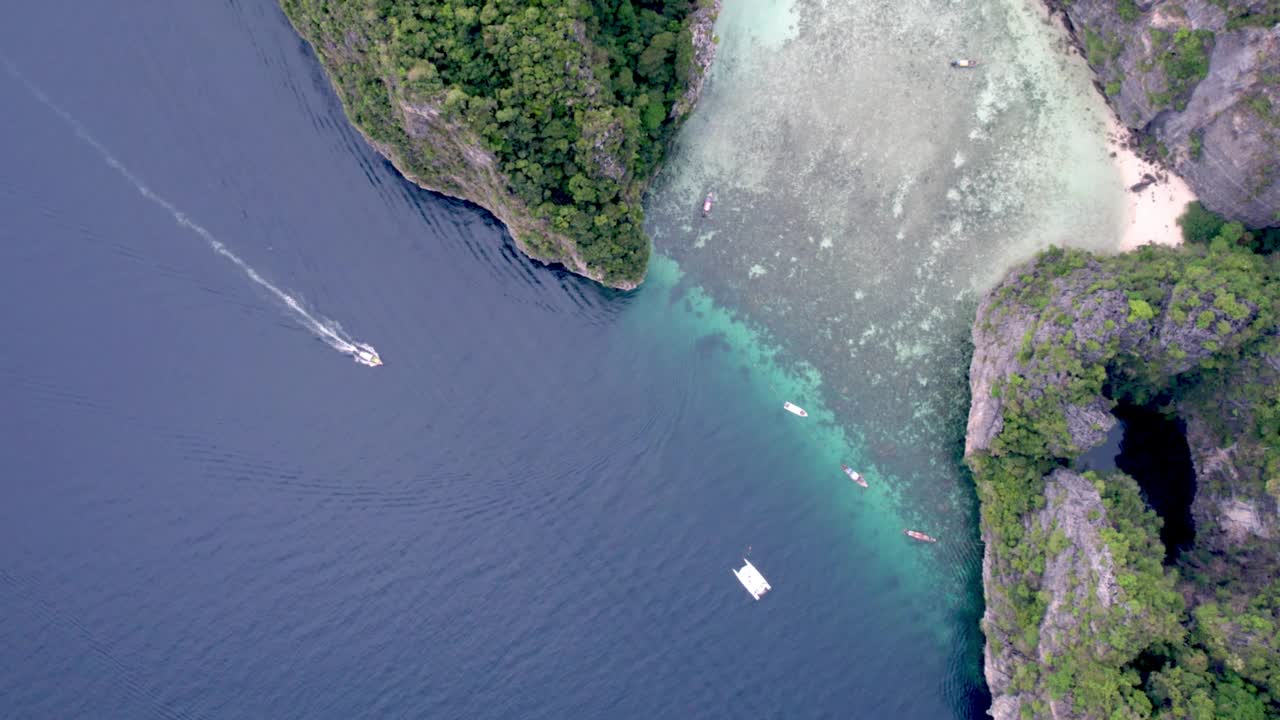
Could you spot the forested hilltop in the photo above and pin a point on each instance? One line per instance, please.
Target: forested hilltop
(1092, 610)
(552, 114)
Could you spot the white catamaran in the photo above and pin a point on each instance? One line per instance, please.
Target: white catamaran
(752, 580)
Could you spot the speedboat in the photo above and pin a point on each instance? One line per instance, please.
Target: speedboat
(794, 409)
(752, 580)
(366, 356)
(706, 204)
(917, 535)
(854, 475)
(964, 63)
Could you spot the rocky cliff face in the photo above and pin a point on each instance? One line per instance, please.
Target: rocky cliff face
(1080, 575)
(1237, 505)
(1072, 570)
(1202, 79)
(569, 186)
(460, 167)
(701, 30)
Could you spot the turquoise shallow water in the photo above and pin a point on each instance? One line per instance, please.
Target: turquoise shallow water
(866, 194)
(531, 511)
(939, 584)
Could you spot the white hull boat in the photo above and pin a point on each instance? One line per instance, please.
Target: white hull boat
(752, 580)
(794, 409)
(854, 475)
(366, 355)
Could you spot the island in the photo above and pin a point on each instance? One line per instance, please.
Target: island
(553, 115)
(1089, 614)
(1124, 424)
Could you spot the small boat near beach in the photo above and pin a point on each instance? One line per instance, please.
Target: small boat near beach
(752, 580)
(917, 535)
(964, 63)
(854, 475)
(794, 409)
(706, 204)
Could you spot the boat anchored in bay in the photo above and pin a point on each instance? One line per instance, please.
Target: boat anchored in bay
(854, 475)
(752, 580)
(794, 409)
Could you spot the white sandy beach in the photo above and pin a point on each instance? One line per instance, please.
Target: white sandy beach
(1151, 215)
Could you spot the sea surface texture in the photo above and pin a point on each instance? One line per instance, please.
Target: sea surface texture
(865, 194)
(532, 510)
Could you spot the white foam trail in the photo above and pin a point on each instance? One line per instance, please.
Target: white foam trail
(327, 330)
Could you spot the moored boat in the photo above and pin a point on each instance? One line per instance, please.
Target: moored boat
(706, 204)
(752, 580)
(794, 409)
(917, 535)
(854, 475)
(964, 63)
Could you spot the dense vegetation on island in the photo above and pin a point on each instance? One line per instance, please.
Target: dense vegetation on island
(554, 114)
(1192, 331)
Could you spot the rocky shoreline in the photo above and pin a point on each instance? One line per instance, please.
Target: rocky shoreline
(1084, 618)
(1198, 81)
(1075, 589)
(438, 146)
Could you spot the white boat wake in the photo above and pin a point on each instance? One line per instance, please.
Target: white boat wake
(327, 330)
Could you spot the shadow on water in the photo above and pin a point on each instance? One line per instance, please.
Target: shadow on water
(1151, 447)
(1154, 452)
(587, 300)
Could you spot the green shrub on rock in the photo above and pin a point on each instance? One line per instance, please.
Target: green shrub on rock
(574, 101)
(1196, 326)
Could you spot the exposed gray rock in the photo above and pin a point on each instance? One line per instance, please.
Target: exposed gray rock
(1089, 424)
(1082, 320)
(1041, 339)
(1232, 508)
(998, 666)
(1241, 519)
(1080, 576)
(1222, 133)
(1084, 568)
(701, 27)
(1004, 708)
(992, 362)
(1075, 508)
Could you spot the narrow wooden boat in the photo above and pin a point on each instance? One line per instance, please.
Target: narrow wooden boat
(917, 535)
(854, 475)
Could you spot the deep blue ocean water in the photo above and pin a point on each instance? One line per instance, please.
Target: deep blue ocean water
(530, 512)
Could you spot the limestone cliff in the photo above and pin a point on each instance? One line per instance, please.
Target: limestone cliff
(550, 116)
(1201, 78)
(1083, 619)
